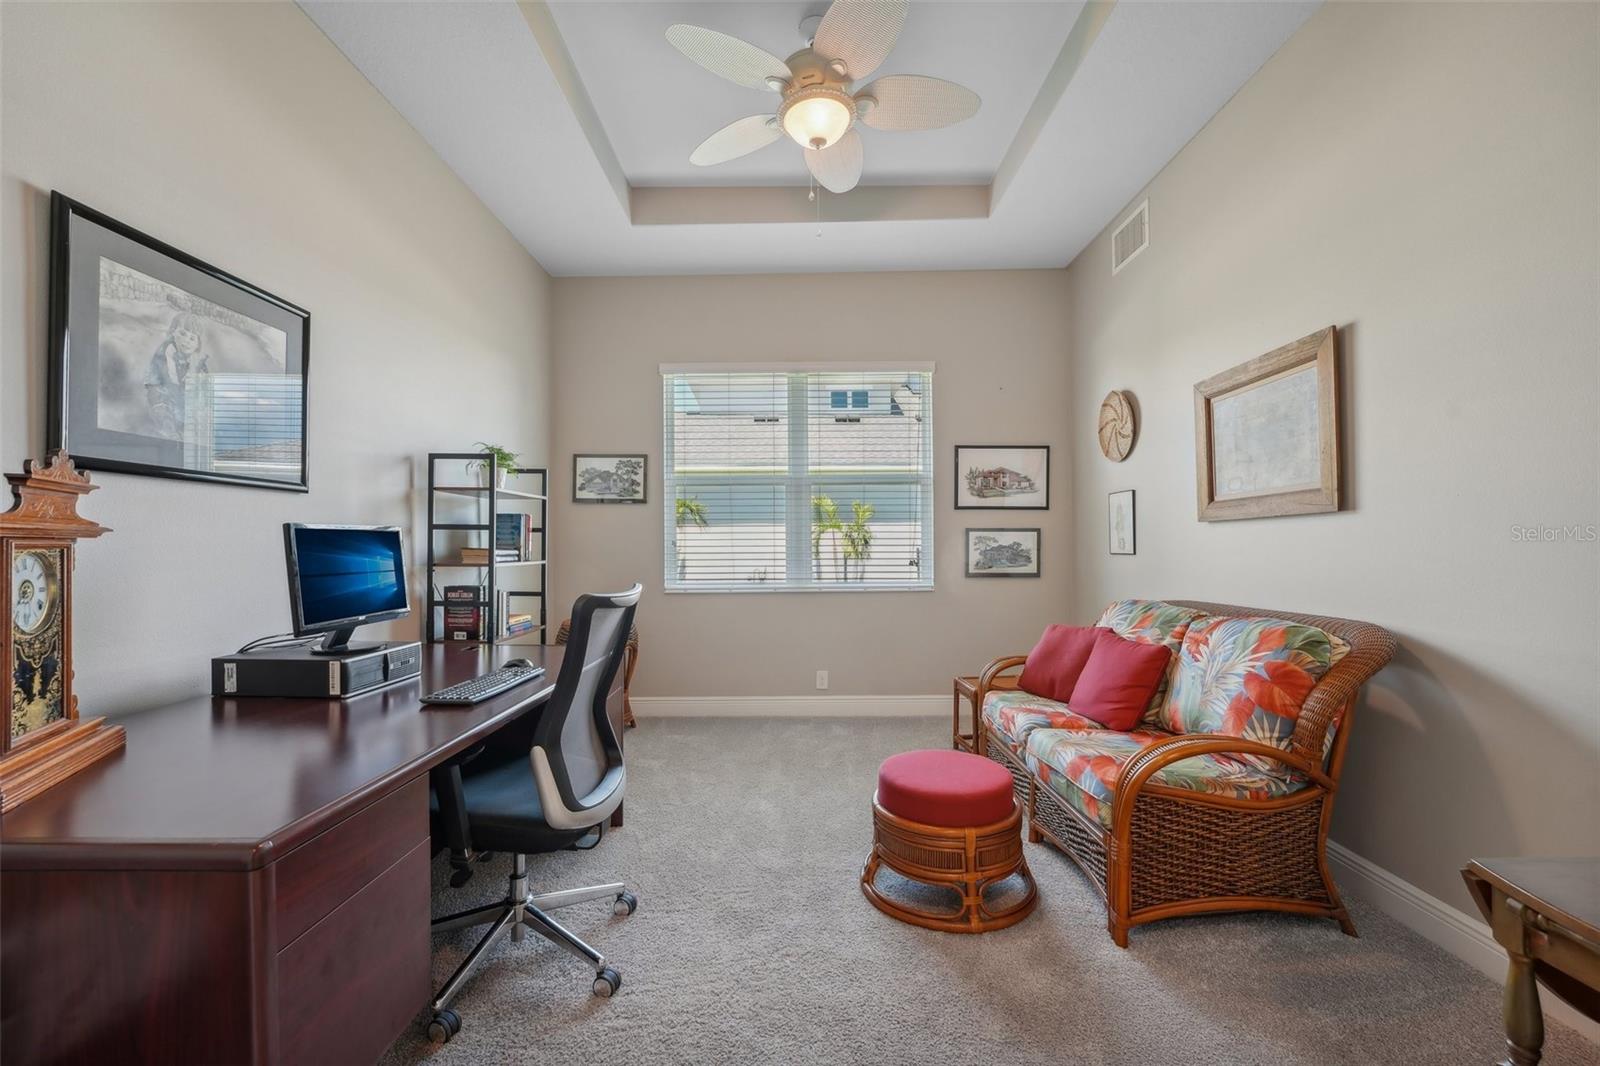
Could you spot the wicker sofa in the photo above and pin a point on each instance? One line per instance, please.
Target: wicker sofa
(1229, 811)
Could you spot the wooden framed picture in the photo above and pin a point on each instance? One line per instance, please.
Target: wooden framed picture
(1002, 477)
(161, 364)
(1120, 523)
(1267, 434)
(608, 478)
(1003, 553)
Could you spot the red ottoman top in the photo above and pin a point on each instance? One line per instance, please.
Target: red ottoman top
(944, 787)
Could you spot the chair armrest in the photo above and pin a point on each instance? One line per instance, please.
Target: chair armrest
(1149, 761)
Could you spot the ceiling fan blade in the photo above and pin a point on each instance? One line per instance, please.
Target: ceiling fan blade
(837, 167)
(736, 139)
(738, 61)
(859, 33)
(915, 102)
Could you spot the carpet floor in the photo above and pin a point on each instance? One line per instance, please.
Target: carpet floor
(753, 944)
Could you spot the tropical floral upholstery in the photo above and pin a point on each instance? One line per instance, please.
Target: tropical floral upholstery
(1247, 677)
(1012, 714)
(1082, 766)
(1151, 622)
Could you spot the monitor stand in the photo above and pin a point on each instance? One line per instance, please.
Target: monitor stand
(337, 642)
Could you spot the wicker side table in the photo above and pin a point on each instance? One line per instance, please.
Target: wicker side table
(965, 690)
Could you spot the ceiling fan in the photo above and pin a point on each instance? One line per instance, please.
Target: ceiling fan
(819, 109)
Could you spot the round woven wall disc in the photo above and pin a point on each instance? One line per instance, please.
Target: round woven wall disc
(1118, 426)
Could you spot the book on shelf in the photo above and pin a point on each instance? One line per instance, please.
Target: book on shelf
(514, 532)
(463, 617)
(481, 556)
(517, 624)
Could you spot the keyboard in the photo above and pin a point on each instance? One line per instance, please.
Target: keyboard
(484, 687)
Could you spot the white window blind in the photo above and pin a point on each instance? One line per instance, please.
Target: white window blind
(789, 479)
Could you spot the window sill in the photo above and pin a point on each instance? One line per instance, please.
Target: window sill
(746, 587)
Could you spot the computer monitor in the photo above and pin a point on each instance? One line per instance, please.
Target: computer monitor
(341, 577)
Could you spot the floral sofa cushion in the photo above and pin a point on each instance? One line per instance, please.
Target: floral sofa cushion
(1248, 677)
(1151, 622)
(1012, 715)
(1082, 766)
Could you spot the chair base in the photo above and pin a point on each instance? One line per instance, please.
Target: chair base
(968, 860)
(513, 916)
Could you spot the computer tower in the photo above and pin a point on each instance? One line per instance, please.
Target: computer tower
(300, 672)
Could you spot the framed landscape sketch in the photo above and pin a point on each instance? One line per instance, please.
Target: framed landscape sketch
(1267, 434)
(1002, 553)
(608, 478)
(994, 476)
(1120, 526)
(162, 364)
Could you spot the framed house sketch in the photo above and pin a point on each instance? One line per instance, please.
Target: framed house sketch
(608, 478)
(1002, 477)
(1003, 553)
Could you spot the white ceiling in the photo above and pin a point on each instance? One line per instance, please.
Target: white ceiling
(656, 105)
(508, 110)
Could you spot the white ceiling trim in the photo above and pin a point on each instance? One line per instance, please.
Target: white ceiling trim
(477, 83)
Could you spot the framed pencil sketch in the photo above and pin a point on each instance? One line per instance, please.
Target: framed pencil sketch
(161, 364)
(1003, 553)
(1120, 523)
(1267, 434)
(996, 477)
(608, 478)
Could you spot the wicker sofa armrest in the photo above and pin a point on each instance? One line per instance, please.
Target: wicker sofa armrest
(986, 679)
(1150, 760)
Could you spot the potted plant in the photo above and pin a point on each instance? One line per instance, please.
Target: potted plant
(504, 462)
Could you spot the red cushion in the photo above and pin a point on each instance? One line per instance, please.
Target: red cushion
(1119, 680)
(949, 788)
(1056, 661)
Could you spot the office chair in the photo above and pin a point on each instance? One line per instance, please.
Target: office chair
(551, 779)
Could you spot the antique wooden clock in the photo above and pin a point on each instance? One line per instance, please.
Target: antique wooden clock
(44, 741)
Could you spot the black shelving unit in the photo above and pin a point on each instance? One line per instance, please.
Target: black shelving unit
(489, 498)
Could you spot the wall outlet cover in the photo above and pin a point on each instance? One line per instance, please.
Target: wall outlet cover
(822, 679)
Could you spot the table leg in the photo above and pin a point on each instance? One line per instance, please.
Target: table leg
(1524, 1021)
(955, 717)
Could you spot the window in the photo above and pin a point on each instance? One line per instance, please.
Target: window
(768, 487)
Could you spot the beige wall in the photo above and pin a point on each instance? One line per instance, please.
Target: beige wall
(1425, 178)
(998, 340)
(238, 133)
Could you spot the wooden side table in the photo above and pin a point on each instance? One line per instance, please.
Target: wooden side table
(966, 689)
(1546, 914)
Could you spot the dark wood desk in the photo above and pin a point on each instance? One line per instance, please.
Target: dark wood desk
(247, 882)
(1546, 914)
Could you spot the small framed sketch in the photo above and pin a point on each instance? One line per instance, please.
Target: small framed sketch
(161, 364)
(990, 476)
(1266, 433)
(608, 478)
(1120, 522)
(1002, 553)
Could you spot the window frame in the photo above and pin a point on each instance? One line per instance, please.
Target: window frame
(798, 481)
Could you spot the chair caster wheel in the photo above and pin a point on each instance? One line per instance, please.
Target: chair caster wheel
(626, 903)
(459, 876)
(445, 1024)
(606, 983)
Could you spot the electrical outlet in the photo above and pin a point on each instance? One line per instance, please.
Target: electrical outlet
(822, 679)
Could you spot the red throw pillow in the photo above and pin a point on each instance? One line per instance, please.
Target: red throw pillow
(1056, 661)
(1119, 680)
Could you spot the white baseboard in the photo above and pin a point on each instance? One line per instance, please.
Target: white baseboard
(789, 706)
(1458, 932)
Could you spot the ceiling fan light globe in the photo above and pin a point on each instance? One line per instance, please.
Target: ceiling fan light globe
(817, 119)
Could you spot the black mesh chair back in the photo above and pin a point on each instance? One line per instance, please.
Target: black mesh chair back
(577, 759)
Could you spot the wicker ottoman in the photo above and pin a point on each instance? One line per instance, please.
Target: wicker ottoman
(948, 818)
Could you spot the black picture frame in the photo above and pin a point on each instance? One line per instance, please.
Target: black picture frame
(959, 480)
(1133, 523)
(644, 477)
(1038, 551)
(76, 357)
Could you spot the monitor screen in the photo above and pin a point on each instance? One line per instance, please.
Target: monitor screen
(343, 573)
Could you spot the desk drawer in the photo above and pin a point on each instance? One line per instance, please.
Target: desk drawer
(319, 875)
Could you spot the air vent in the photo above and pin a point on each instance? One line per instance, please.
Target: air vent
(1131, 237)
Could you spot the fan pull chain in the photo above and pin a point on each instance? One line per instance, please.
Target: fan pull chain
(813, 199)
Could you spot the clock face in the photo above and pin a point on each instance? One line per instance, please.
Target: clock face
(35, 589)
(38, 640)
